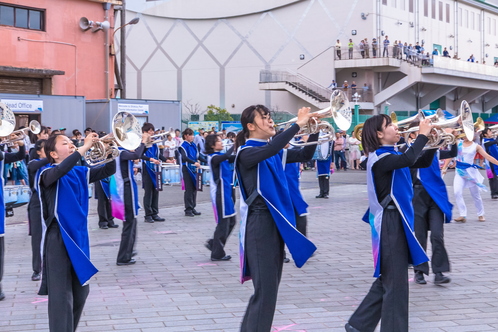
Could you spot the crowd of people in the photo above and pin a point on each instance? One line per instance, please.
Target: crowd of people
(272, 215)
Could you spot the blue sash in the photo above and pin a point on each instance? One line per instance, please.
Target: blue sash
(491, 169)
(272, 187)
(293, 174)
(435, 187)
(225, 178)
(191, 152)
(402, 195)
(152, 152)
(105, 187)
(71, 214)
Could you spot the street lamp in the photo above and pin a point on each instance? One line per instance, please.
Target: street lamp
(133, 21)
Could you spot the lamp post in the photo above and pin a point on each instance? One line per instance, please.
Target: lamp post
(123, 51)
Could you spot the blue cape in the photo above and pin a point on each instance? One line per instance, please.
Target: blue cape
(2, 204)
(272, 187)
(226, 178)
(435, 187)
(292, 173)
(191, 152)
(71, 214)
(152, 152)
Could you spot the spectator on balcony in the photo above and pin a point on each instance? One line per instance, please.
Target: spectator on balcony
(400, 50)
(496, 63)
(435, 52)
(375, 47)
(456, 56)
(385, 52)
(353, 87)
(405, 50)
(471, 58)
(345, 86)
(367, 48)
(332, 85)
(446, 54)
(350, 48)
(362, 49)
(338, 49)
(422, 49)
(417, 47)
(395, 49)
(365, 91)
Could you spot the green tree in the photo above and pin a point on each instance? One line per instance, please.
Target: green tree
(215, 113)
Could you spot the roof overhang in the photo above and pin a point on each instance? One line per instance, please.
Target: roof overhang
(29, 72)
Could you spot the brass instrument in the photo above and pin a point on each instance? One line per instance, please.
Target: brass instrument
(126, 133)
(494, 129)
(158, 138)
(7, 120)
(339, 110)
(358, 130)
(405, 123)
(19, 135)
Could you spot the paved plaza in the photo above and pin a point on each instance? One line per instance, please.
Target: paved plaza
(174, 286)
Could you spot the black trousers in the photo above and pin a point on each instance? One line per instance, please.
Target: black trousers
(35, 230)
(104, 209)
(301, 224)
(2, 257)
(324, 184)
(129, 233)
(151, 195)
(222, 231)
(388, 296)
(428, 216)
(66, 297)
(264, 251)
(190, 193)
(493, 186)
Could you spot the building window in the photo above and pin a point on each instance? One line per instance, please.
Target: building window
(441, 11)
(410, 6)
(426, 8)
(489, 25)
(384, 2)
(460, 16)
(22, 17)
(472, 24)
(447, 13)
(433, 8)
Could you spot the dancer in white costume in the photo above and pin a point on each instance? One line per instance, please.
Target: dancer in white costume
(467, 175)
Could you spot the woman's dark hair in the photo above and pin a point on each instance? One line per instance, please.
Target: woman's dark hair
(50, 146)
(231, 135)
(485, 131)
(247, 117)
(187, 132)
(147, 126)
(76, 132)
(369, 139)
(210, 143)
(40, 144)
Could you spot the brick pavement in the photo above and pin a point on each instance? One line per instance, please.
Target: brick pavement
(175, 287)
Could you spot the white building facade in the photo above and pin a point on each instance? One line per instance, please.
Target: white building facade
(282, 54)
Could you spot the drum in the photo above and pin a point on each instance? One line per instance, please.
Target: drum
(23, 196)
(171, 174)
(206, 175)
(10, 194)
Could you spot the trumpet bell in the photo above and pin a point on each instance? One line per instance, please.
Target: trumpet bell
(7, 120)
(34, 127)
(341, 109)
(126, 130)
(467, 121)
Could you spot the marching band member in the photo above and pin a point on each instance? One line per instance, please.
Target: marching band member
(433, 210)
(150, 165)
(323, 162)
(188, 158)
(34, 212)
(124, 194)
(6, 157)
(221, 195)
(63, 190)
(390, 195)
(104, 210)
(490, 145)
(267, 219)
(467, 175)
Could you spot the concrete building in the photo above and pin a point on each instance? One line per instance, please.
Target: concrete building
(282, 53)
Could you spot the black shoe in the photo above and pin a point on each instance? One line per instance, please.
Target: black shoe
(494, 197)
(149, 219)
(319, 196)
(189, 214)
(326, 196)
(2, 296)
(209, 245)
(157, 218)
(349, 328)
(286, 260)
(134, 253)
(419, 278)
(35, 276)
(103, 226)
(112, 225)
(441, 279)
(130, 262)
(196, 213)
(226, 258)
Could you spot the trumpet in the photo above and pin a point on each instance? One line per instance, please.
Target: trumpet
(19, 135)
(339, 110)
(158, 138)
(126, 133)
